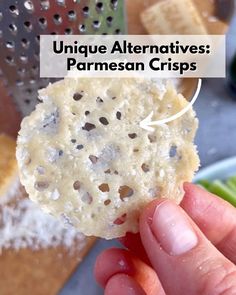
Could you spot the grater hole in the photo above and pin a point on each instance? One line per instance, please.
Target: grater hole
(23, 58)
(25, 43)
(68, 31)
(114, 4)
(1, 15)
(82, 28)
(13, 28)
(29, 91)
(109, 20)
(10, 60)
(37, 39)
(43, 22)
(36, 55)
(21, 72)
(28, 26)
(53, 33)
(14, 10)
(45, 4)
(27, 101)
(85, 10)
(19, 83)
(10, 45)
(99, 6)
(117, 32)
(72, 15)
(34, 69)
(32, 81)
(61, 2)
(29, 6)
(57, 19)
(96, 24)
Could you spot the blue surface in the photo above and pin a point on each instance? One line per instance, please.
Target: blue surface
(216, 140)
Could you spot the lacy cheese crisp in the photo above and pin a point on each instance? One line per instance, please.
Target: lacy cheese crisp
(83, 156)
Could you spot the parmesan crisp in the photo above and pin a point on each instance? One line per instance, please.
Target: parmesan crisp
(83, 156)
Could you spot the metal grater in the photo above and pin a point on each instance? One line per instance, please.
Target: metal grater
(21, 24)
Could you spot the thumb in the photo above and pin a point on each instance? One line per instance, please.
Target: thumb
(185, 261)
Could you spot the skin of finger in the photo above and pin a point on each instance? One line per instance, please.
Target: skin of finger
(111, 262)
(114, 261)
(202, 270)
(123, 284)
(215, 217)
(134, 244)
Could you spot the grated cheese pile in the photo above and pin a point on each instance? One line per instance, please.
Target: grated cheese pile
(24, 225)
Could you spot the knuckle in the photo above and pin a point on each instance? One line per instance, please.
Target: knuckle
(220, 281)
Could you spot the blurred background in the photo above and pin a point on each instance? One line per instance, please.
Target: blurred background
(32, 256)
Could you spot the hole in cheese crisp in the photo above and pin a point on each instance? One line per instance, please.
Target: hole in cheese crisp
(104, 187)
(152, 138)
(93, 159)
(88, 126)
(125, 192)
(118, 115)
(76, 185)
(132, 135)
(173, 151)
(120, 220)
(77, 96)
(41, 185)
(87, 198)
(103, 120)
(145, 167)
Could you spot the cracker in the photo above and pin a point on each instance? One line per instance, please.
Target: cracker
(169, 17)
(83, 156)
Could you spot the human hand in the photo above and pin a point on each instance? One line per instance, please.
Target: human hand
(183, 250)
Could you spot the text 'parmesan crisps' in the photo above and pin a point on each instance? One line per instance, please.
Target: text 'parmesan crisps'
(83, 156)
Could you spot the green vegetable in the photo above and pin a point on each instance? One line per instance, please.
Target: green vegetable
(204, 183)
(226, 190)
(231, 182)
(220, 189)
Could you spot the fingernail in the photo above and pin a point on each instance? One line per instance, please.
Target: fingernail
(172, 229)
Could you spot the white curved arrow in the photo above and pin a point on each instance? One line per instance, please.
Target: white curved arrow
(147, 122)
